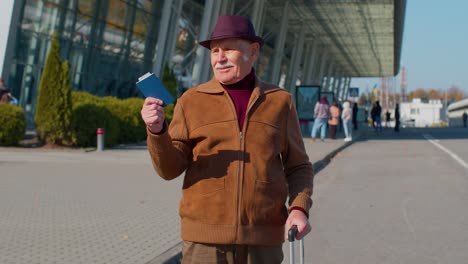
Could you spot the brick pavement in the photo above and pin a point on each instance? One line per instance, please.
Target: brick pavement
(59, 206)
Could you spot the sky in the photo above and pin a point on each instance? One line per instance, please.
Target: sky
(434, 48)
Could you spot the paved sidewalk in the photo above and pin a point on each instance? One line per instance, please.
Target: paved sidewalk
(74, 206)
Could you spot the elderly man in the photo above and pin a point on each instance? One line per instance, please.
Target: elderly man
(239, 142)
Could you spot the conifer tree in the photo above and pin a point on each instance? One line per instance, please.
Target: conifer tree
(66, 111)
(53, 108)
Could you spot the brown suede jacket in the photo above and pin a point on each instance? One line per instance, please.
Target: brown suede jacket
(236, 182)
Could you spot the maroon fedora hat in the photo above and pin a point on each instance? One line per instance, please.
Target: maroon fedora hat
(232, 27)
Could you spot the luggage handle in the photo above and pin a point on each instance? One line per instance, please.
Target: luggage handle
(291, 237)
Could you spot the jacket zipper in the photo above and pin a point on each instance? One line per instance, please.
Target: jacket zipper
(239, 173)
(240, 178)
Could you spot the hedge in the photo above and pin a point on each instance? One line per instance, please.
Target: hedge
(87, 118)
(13, 124)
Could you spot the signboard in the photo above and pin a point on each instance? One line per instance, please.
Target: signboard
(306, 98)
(353, 91)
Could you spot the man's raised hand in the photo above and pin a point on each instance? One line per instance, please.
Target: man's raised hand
(153, 115)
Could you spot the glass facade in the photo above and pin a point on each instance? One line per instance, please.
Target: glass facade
(109, 43)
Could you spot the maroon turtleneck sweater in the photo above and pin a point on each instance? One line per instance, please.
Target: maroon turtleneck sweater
(240, 93)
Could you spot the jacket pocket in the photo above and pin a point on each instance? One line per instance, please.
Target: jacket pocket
(268, 203)
(204, 201)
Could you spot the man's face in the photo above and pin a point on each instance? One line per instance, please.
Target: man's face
(232, 59)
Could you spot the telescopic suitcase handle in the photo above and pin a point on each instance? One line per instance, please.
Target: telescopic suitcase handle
(291, 237)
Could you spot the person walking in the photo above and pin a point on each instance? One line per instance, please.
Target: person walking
(376, 113)
(238, 141)
(321, 115)
(397, 117)
(387, 118)
(465, 118)
(334, 119)
(355, 112)
(5, 94)
(346, 116)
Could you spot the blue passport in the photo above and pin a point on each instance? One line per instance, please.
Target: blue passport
(151, 86)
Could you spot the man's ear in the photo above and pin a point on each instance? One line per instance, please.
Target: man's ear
(255, 49)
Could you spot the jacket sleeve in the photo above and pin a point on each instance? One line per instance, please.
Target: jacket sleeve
(170, 150)
(297, 167)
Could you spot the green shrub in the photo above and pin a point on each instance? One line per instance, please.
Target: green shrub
(85, 97)
(87, 118)
(132, 128)
(126, 113)
(170, 82)
(169, 112)
(13, 124)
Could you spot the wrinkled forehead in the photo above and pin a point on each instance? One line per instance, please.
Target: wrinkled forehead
(229, 43)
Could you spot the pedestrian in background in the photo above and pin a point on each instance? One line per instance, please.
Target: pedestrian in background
(465, 117)
(376, 113)
(334, 119)
(5, 94)
(397, 117)
(354, 120)
(387, 118)
(321, 115)
(2, 84)
(238, 141)
(346, 116)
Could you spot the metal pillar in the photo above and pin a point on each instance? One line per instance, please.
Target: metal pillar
(326, 85)
(202, 66)
(173, 30)
(227, 7)
(338, 86)
(296, 61)
(162, 37)
(279, 46)
(323, 63)
(257, 16)
(311, 63)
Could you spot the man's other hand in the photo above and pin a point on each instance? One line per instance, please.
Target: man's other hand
(298, 218)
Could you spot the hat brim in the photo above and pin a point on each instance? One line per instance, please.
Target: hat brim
(207, 43)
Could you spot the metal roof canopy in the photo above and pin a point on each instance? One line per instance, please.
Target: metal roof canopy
(362, 37)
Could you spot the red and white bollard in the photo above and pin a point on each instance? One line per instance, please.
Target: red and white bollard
(100, 139)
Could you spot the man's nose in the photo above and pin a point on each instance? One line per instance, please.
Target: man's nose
(221, 55)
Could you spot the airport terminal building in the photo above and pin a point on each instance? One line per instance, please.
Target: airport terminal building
(110, 43)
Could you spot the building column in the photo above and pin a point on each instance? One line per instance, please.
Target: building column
(257, 16)
(295, 61)
(173, 30)
(279, 46)
(326, 83)
(162, 37)
(311, 63)
(202, 66)
(338, 86)
(346, 89)
(227, 7)
(318, 78)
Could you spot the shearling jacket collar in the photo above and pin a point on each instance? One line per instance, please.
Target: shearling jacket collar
(214, 87)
